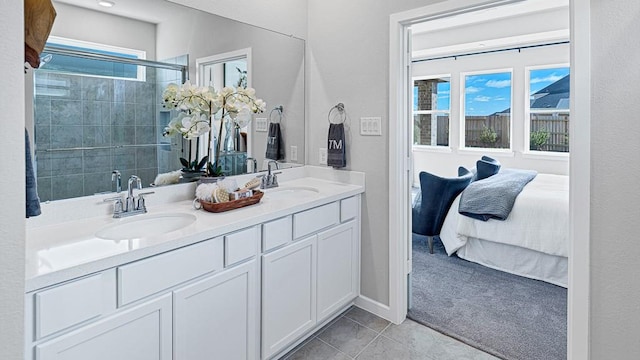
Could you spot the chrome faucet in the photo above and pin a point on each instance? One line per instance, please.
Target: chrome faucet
(117, 178)
(255, 164)
(130, 206)
(131, 199)
(271, 179)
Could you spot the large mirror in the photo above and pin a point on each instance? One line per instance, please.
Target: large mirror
(92, 117)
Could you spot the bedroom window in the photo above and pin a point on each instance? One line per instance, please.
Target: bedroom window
(487, 110)
(100, 68)
(548, 109)
(431, 104)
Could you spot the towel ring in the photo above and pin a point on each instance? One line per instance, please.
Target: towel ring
(279, 109)
(340, 108)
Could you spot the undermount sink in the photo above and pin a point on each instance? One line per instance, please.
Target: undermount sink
(291, 192)
(145, 226)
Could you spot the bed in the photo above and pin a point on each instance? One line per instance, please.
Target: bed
(532, 242)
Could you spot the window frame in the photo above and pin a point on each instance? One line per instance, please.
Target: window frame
(436, 147)
(463, 99)
(527, 152)
(139, 54)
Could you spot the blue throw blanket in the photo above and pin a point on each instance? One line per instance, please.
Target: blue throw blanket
(493, 197)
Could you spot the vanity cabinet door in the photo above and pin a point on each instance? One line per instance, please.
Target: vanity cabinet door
(142, 332)
(338, 268)
(216, 317)
(288, 295)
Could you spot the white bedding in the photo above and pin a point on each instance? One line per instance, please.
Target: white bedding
(539, 221)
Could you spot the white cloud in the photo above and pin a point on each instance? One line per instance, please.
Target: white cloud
(444, 92)
(482, 98)
(499, 98)
(550, 78)
(498, 83)
(472, 89)
(474, 79)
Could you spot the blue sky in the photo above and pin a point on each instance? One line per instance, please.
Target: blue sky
(486, 94)
(544, 77)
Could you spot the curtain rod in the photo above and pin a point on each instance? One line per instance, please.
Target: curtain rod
(455, 57)
(63, 51)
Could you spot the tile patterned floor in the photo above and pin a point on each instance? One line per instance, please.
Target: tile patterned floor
(358, 334)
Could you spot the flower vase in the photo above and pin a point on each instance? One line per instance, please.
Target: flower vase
(229, 141)
(237, 139)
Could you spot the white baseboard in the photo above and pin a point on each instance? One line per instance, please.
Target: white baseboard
(374, 307)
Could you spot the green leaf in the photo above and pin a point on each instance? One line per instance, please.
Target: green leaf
(184, 163)
(202, 163)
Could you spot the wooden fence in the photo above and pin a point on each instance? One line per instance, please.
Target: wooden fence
(498, 124)
(555, 126)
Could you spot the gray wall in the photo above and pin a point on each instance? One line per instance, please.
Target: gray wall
(615, 169)
(12, 223)
(277, 66)
(285, 16)
(348, 61)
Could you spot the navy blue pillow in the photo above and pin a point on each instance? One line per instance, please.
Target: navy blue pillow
(486, 167)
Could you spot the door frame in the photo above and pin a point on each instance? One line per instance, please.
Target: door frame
(579, 165)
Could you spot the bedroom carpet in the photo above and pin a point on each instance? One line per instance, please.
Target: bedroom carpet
(505, 315)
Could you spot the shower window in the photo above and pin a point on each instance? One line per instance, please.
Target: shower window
(90, 66)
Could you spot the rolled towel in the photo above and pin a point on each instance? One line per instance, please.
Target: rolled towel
(336, 155)
(32, 199)
(275, 144)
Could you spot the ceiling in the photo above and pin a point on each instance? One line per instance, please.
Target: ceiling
(505, 38)
(490, 14)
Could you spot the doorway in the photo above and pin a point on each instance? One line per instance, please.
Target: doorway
(229, 69)
(400, 160)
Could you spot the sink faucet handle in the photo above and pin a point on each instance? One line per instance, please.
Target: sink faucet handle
(115, 198)
(141, 203)
(118, 207)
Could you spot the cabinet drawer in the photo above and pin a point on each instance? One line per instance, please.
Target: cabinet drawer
(73, 303)
(276, 233)
(149, 276)
(310, 221)
(240, 246)
(348, 208)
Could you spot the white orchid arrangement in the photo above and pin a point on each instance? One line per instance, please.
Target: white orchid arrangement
(198, 106)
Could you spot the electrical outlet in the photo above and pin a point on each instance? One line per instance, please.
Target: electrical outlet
(371, 126)
(322, 156)
(261, 124)
(293, 156)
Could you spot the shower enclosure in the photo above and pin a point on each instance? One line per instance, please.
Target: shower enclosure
(99, 112)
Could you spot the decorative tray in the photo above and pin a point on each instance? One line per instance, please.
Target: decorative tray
(233, 204)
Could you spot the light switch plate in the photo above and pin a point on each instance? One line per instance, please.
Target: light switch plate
(322, 156)
(371, 126)
(261, 124)
(293, 156)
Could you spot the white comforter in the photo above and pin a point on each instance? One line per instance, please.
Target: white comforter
(539, 220)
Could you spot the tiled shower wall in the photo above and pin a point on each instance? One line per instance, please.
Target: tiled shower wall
(112, 120)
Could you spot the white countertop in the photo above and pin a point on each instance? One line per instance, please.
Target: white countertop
(59, 250)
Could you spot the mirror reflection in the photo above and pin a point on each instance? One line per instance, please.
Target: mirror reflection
(92, 117)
